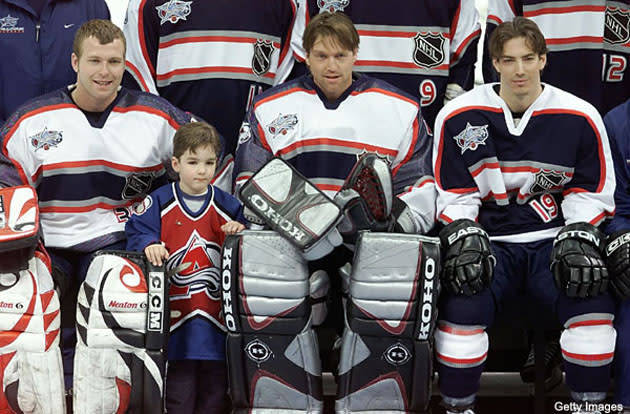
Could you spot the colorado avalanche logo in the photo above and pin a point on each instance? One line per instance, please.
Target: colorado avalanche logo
(8, 25)
(46, 139)
(332, 6)
(471, 137)
(429, 51)
(173, 11)
(261, 61)
(282, 124)
(546, 180)
(617, 26)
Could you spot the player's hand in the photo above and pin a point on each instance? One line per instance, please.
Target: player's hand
(618, 263)
(232, 227)
(156, 253)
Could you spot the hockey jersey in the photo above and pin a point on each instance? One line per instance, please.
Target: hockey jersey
(418, 46)
(617, 124)
(211, 57)
(197, 329)
(88, 177)
(588, 45)
(523, 181)
(323, 139)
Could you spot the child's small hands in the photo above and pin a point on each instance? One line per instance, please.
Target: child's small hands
(232, 227)
(156, 253)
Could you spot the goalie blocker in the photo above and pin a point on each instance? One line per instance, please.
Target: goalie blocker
(122, 331)
(272, 354)
(386, 362)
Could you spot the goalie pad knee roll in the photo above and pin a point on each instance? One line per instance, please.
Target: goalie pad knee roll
(272, 354)
(122, 330)
(386, 362)
(292, 206)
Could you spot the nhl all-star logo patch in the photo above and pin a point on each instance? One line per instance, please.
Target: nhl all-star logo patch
(282, 124)
(546, 180)
(173, 11)
(261, 61)
(332, 6)
(8, 24)
(429, 50)
(46, 139)
(471, 137)
(617, 26)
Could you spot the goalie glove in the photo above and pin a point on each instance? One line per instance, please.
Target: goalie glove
(469, 263)
(577, 260)
(618, 263)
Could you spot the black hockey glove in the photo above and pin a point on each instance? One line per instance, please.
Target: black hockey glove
(468, 264)
(577, 260)
(618, 263)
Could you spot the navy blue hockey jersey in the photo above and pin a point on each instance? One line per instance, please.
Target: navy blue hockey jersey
(617, 124)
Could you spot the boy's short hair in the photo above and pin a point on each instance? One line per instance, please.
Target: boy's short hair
(519, 27)
(195, 135)
(336, 26)
(103, 30)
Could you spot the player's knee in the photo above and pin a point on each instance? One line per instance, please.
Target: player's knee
(461, 346)
(589, 340)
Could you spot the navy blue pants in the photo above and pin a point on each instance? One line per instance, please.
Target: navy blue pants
(196, 387)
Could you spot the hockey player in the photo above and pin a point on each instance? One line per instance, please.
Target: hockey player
(319, 125)
(590, 38)
(185, 222)
(427, 49)
(211, 57)
(92, 150)
(618, 248)
(524, 173)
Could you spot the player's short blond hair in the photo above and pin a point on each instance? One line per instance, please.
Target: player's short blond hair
(103, 30)
(196, 135)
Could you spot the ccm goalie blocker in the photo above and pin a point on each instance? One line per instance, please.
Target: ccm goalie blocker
(122, 330)
(577, 260)
(272, 355)
(386, 361)
(618, 263)
(287, 202)
(30, 358)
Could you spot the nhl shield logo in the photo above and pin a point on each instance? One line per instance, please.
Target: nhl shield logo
(261, 61)
(617, 27)
(332, 6)
(429, 51)
(547, 180)
(173, 11)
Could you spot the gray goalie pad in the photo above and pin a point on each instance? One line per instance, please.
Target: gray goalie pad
(287, 202)
(122, 330)
(272, 355)
(387, 346)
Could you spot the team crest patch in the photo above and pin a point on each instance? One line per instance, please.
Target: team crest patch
(173, 11)
(46, 139)
(471, 137)
(332, 6)
(546, 180)
(261, 61)
(617, 26)
(282, 124)
(245, 133)
(8, 24)
(429, 50)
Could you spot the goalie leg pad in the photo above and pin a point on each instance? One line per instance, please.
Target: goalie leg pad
(272, 355)
(122, 328)
(386, 359)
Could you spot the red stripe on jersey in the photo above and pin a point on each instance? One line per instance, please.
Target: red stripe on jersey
(488, 165)
(465, 43)
(138, 76)
(595, 221)
(143, 42)
(82, 209)
(388, 63)
(388, 93)
(281, 94)
(576, 39)
(209, 69)
(563, 10)
(287, 42)
(496, 19)
(455, 21)
(600, 146)
(328, 187)
(91, 163)
(412, 145)
(148, 110)
(585, 357)
(462, 361)
(202, 39)
(591, 322)
(337, 143)
(445, 218)
(263, 138)
(386, 33)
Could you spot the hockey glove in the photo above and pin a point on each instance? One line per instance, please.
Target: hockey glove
(577, 260)
(618, 263)
(468, 264)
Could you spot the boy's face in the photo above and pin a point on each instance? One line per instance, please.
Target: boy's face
(196, 169)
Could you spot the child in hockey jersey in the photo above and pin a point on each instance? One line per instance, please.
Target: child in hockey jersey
(186, 222)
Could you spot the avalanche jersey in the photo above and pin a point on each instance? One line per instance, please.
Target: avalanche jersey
(323, 139)
(194, 238)
(211, 57)
(88, 175)
(617, 124)
(419, 46)
(588, 44)
(522, 182)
